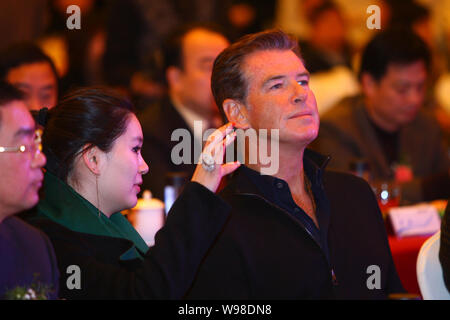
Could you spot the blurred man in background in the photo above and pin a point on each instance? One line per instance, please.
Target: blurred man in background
(188, 58)
(326, 47)
(386, 125)
(27, 68)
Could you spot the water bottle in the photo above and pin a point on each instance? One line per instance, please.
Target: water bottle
(175, 182)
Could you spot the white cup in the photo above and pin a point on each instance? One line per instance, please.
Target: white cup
(147, 217)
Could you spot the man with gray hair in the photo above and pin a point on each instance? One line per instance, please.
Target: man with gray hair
(303, 232)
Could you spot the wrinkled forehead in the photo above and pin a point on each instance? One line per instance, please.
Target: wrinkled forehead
(261, 64)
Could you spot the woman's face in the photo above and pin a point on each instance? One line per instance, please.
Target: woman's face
(121, 177)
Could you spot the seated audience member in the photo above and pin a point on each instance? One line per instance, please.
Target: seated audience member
(93, 141)
(418, 17)
(327, 56)
(386, 125)
(299, 232)
(188, 57)
(27, 258)
(444, 250)
(326, 46)
(26, 67)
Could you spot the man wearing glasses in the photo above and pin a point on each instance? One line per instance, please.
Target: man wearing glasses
(26, 256)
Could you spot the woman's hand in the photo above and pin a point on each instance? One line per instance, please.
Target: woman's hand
(214, 150)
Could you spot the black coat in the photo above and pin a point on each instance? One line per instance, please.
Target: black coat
(168, 268)
(265, 253)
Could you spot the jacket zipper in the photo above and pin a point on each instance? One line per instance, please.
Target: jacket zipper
(334, 280)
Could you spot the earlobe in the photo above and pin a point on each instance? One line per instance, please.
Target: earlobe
(172, 75)
(368, 84)
(90, 159)
(236, 113)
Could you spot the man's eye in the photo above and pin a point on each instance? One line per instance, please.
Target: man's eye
(26, 94)
(276, 86)
(303, 82)
(45, 97)
(402, 90)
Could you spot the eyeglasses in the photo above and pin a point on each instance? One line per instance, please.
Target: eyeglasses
(34, 149)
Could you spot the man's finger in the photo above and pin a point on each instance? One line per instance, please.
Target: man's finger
(229, 167)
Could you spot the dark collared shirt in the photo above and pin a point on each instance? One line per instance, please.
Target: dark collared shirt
(277, 192)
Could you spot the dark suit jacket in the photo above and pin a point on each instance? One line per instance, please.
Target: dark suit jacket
(265, 253)
(158, 122)
(24, 253)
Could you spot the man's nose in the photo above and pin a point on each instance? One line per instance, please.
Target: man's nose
(39, 160)
(299, 92)
(34, 103)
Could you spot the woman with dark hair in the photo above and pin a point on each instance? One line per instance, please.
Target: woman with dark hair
(92, 140)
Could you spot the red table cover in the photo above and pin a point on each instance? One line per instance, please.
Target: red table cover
(404, 252)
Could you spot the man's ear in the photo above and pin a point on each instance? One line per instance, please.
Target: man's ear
(236, 113)
(93, 159)
(173, 75)
(368, 85)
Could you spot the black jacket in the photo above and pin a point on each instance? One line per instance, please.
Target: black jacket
(265, 253)
(168, 268)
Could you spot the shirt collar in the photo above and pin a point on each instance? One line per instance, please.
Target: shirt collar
(246, 180)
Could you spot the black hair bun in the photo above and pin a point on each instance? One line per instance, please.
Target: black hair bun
(42, 117)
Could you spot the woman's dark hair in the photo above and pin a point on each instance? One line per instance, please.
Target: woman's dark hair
(84, 118)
